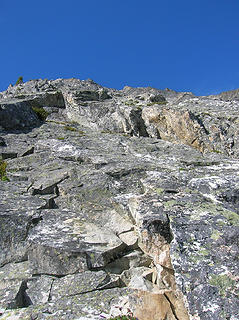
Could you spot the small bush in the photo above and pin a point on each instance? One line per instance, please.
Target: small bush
(41, 113)
(3, 173)
(19, 80)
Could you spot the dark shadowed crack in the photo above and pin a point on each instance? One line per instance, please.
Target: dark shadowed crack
(22, 300)
(172, 307)
(30, 225)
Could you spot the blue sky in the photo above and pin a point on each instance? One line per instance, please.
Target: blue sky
(183, 45)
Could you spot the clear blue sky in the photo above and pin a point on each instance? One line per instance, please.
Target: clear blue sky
(187, 45)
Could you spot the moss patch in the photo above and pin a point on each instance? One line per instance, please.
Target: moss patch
(41, 113)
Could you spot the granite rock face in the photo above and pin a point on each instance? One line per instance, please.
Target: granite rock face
(121, 202)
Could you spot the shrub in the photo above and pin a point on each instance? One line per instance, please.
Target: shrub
(3, 173)
(19, 80)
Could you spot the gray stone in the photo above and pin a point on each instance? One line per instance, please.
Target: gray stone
(12, 276)
(18, 213)
(17, 115)
(129, 192)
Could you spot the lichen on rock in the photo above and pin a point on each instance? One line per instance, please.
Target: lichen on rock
(119, 202)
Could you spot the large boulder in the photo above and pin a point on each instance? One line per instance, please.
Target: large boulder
(17, 115)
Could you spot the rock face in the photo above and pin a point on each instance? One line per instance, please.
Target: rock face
(121, 202)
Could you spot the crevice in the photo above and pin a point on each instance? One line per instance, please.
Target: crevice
(158, 226)
(171, 191)
(139, 127)
(31, 224)
(36, 220)
(171, 306)
(106, 287)
(124, 172)
(49, 274)
(123, 232)
(114, 257)
(22, 300)
(50, 295)
(199, 121)
(50, 189)
(24, 259)
(28, 152)
(50, 204)
(171, 236)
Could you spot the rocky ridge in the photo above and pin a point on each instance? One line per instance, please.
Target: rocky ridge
(119, 200)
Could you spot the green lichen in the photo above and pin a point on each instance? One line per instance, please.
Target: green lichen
(224, 314)
(204, 209)
(204, 252)
(215, 235)
(232, 217)
(169, 204)
(216, 151)
(199, 255)
(159, 190)
(223, 282)
(182, 169)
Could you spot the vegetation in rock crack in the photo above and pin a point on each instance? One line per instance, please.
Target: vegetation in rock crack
(19, 80)
(69, 128)
(131, 102)
(156, 102)
(41, 113)
(3, 174)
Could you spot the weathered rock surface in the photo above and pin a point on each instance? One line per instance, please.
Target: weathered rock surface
(120, 202)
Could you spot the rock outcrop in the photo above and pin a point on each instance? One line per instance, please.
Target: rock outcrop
(119, 202)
